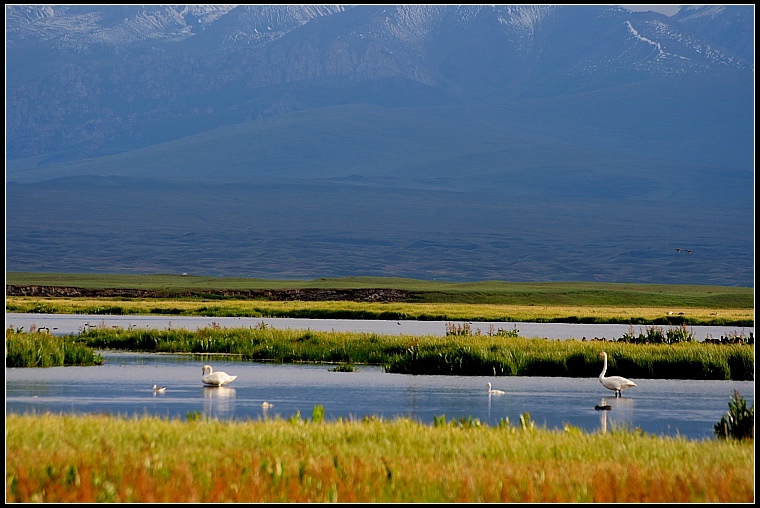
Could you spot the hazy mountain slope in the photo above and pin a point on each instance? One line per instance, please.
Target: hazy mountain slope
(455, 142)
(93, 80)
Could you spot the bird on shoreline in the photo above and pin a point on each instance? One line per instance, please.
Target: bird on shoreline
(215, 378)
(614, 383)
(495, 392)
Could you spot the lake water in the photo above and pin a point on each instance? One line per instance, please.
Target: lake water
(62, 324)
(123, 386)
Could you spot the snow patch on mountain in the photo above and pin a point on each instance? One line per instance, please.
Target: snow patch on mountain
(688, 12)
(119, 25)
(523, 18)
(414, 22)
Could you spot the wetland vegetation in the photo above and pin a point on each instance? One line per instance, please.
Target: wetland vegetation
(493, 354)
(103, 458)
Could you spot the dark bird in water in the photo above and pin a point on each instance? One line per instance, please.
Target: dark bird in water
(603, 408)
(678, 250)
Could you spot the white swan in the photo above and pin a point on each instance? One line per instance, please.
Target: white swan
(615, 383)
(159, 389)
(216, 378)
(495, 392)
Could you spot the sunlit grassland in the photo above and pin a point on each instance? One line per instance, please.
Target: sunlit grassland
(100, 458)
(372, 310)
(427, 291)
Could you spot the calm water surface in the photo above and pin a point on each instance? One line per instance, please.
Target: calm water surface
(124, 384)
(62, 324)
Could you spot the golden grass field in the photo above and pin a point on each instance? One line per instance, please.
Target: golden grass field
(98, 458)
(429, 311)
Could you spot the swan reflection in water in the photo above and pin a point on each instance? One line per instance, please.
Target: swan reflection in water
(218, 401)
(621, 409)
(603, 416)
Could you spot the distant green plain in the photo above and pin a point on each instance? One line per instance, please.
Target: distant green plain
(591, 302)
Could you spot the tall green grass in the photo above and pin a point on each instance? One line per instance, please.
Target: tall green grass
(568, 358)
(100, 458)
(477, 355)
(41, 349)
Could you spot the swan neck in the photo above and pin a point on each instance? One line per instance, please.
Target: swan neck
(604, 367)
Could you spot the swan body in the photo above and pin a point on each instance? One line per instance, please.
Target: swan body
(216, 378)
(495, 392)
(614, 383)
(159, 389)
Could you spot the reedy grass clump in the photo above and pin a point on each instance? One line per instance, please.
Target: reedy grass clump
(476, 355)
(100, 458)
(260, 344)
(41, 349)
(484, 356)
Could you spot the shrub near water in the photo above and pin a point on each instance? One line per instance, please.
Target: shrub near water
(57, 458)
(739, 422)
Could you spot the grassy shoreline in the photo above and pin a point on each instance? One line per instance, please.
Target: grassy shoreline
(479, 355)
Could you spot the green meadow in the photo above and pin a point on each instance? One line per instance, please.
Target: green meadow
(570, 302)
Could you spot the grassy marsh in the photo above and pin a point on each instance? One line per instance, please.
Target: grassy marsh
(478, 355)
(41, 349)
(100, 458)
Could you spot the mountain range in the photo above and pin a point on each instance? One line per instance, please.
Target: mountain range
(452, 142)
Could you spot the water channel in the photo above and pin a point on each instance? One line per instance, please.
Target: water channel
(123, 385)
(62, 324)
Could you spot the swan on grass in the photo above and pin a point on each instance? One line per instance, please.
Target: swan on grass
(495, 392)
(215, 378)
(614, 383)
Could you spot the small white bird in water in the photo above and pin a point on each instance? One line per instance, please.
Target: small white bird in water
(159, 389)
(495, 392)
(266, 404)
(216, 378)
